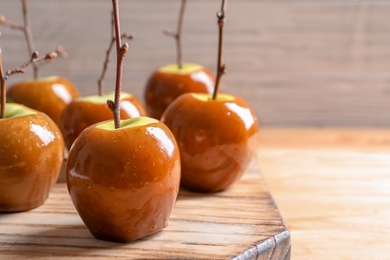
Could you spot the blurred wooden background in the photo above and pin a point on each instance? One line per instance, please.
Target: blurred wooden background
(299, 63)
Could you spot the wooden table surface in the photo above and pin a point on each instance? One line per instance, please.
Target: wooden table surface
(240, 223)
(332, 187)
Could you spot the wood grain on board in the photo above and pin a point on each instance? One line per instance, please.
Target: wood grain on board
(242, 223)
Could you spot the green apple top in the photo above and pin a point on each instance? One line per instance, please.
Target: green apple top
(129, 123)
(15, 110)
(185, 69)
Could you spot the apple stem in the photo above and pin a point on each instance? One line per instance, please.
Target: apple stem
(4, 76)
(28, 35)
(108, 52)
(25, 28)
(221, 68)
(33, 60)
(121, 51)
(178, 34)
(9, 24)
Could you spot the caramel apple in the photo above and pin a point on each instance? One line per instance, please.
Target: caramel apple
(123, 175)
(124, 182)
(49, 95)
(88, 110)
(216, 139)
(216, 134)
(170, 81)
(31, 155)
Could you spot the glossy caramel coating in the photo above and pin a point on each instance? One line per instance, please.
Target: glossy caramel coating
(31, 156)
(217, 139)
(124, 182)
(80, 114)
(164, 87)
(49, 95)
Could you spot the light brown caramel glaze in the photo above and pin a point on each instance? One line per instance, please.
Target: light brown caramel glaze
(124, 183)
(48, 95)
(217, 140)
(80, 114)
(31, 155)
(163, 88)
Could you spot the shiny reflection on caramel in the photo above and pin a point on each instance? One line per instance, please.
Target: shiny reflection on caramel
(62, 92)
(217, 139)
(43, 133)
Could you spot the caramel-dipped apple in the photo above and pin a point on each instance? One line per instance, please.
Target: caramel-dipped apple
(170, 81)
(31, 156)
(123, 175)
(88, 110)
(216, 138)
(124, 182)
(216, 134)
(49, 95)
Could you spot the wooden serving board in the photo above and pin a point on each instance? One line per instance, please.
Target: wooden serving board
(241, 223)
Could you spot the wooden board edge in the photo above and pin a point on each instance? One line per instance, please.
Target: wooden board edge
(277, 247)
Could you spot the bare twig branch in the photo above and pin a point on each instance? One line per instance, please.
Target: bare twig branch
(108, 52)
(34, 60)
(177, 35)
(25, 28)
(28, 35)
(221, 68)
(10, 24)
(127, 36)
(121, 51)
(4, 76)
(105, 67)
(168, 32)
(61, 52)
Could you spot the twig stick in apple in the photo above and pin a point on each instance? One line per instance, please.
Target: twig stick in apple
(34, 60)
(108, 52)
(178, 34)
(25, 28)
(28, 35)
(9, 24)
(121, 51)
(4, 76)
(221, 68)
(107, 59)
